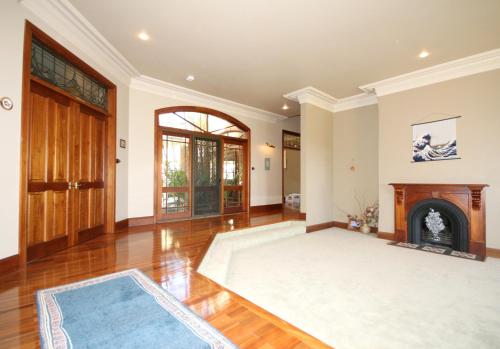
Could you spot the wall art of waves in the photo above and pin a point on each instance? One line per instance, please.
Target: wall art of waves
(423, 150)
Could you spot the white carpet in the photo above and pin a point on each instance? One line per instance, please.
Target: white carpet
(354, 291)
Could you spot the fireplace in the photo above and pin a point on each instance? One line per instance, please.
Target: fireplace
(438, 222)
(443, 215)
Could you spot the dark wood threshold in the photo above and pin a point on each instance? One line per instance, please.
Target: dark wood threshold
(9, 264)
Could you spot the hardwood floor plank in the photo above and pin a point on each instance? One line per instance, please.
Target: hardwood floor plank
(169, 254)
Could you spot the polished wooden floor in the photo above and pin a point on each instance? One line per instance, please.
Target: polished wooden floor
(169, 255)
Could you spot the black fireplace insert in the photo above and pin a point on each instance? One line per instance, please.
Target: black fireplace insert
(438, 222)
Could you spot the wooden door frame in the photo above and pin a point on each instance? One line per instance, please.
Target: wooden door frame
(158, 181)
(283, 133)
(246, 163)
(157, 161)
(30, 32)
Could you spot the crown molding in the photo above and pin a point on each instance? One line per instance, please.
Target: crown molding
(323, 100)
(356, 101)
(162, 88)
(482, 62)
(66, 21)
(313, 96)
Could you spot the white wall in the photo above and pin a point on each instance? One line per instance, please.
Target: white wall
(12, 18)
(355, 160)
(265, 185)
(477, 99)
(316, 173)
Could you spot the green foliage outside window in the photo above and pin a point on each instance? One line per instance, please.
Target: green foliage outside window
(176, 178)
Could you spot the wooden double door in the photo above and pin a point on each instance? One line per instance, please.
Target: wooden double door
(66, 172)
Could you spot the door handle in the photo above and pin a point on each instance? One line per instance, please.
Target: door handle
(77, 185)
(70, 185)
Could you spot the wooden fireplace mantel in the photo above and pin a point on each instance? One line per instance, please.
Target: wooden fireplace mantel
(470, 198)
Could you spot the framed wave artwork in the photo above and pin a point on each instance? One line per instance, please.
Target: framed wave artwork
(435, 140)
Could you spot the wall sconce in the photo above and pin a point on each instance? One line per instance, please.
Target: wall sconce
(270, 145)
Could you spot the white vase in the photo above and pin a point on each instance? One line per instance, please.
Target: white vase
(365, 229)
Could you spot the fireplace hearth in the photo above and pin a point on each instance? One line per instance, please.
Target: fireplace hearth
(450, 216)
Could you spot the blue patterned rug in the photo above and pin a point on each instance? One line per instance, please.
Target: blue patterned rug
(121, 310)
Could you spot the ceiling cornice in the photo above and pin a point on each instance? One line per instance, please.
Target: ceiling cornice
(482, 62)
(356, 101)
(166, 89)
(313, 96)
(323, 100)
(68, 22)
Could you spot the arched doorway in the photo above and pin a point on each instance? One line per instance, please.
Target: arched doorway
(201, 163)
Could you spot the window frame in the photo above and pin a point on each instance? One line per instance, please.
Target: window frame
(160, 130)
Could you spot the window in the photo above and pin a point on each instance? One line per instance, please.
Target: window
(174, 175)
(234, 172)
(201, 122)
(233, 164)
(49, 67)
(202, 163)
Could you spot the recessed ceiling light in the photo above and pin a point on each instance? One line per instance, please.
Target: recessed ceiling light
(190, 77)
(424, 54)
(143, 36)
(284, 107)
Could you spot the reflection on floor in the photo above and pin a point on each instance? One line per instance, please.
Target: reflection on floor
(168, 254)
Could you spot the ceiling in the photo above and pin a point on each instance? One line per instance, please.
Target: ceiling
(253, 52)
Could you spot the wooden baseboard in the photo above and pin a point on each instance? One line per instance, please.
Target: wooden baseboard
(321, 226)
(266, 208)
(9, 264)
(90, 234)
(120, 225)
(341, 225)
(48, 248)
(492, 252)
(386, 236)
(134, 222)
(138, 221)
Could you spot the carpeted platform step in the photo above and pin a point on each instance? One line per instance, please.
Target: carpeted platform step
(216, 262)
